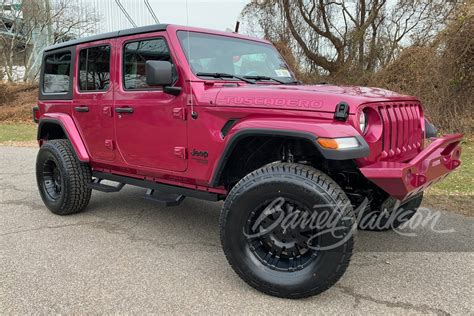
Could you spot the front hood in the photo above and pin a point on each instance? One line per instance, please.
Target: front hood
(304, 97)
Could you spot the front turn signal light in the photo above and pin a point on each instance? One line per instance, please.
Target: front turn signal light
(328, 143)
(339, 143)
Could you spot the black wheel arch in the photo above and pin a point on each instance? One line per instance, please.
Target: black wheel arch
(51, 129)
(306, 137)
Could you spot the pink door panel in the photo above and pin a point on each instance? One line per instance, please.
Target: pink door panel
(148, 133)
(93, 98)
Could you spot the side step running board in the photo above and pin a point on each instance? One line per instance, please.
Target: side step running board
(96, 185)
(159, 187)
(164, 198)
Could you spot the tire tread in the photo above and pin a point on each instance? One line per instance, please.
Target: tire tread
(78, 175)
(315, 178)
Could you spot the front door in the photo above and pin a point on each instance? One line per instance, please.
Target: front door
(150, 124)
(93, 99)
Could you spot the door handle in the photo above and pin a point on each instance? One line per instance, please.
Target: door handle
(81, 109)
(124, 110)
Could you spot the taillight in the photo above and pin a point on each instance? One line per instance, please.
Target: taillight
(36, 114)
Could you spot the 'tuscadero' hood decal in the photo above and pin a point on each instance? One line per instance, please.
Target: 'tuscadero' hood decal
(303, 97)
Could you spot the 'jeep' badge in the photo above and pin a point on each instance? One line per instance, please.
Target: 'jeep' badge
(200, 155)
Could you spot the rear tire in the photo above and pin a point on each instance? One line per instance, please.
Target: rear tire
(281, 262)
(62, 179)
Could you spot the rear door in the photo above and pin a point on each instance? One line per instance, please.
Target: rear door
(93, 98)
(153, 134)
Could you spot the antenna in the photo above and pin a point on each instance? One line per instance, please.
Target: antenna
(129, 18)
(194, 114)
(237, 25)
(150, 9)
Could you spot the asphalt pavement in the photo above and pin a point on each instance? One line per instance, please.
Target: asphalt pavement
(125, 254)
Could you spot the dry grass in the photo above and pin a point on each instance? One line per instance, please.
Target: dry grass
(16, 101)
(441, 75)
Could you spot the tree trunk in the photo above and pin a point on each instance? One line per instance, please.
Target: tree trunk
(38, 13)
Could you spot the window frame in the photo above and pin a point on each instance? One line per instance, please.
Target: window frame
(123, 63)
(79, 69)
(58, 95)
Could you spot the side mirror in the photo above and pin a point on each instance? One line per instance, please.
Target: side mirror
(158, 73)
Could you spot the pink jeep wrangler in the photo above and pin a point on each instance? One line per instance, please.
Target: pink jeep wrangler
(188, 112)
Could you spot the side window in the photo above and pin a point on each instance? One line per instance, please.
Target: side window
(57, 69)
(94, 69)
(135, 55)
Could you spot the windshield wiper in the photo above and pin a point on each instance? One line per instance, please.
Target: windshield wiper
(270, 78)
(223, 75)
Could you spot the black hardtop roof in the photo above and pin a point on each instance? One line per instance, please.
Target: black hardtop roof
(137, 30)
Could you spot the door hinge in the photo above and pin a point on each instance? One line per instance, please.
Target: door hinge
(107, 111)
(180, 152)
(109, 144)
(179, 113)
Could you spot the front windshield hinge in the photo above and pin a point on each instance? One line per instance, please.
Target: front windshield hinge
(342, 111)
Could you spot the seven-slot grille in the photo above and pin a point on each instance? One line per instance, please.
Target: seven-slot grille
(401, 128)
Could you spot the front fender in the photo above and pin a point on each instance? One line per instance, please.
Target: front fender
(309, 130)
(69, 129)
(308, 126)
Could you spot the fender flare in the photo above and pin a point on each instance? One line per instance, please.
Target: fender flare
(70, 130)
(329, 154)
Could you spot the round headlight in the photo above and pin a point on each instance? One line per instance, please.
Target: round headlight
(363, 121)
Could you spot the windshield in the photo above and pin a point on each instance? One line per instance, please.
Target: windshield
(221, 54)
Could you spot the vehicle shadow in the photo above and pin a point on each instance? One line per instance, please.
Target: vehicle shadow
(196, 222)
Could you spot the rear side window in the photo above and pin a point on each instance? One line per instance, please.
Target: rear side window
(135, 56)
(94, 68)
(57, 68)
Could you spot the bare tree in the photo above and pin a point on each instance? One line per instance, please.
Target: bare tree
(336, 36)
(28, 27)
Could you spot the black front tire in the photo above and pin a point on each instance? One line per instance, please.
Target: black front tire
(62, 179)
(279, 276)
